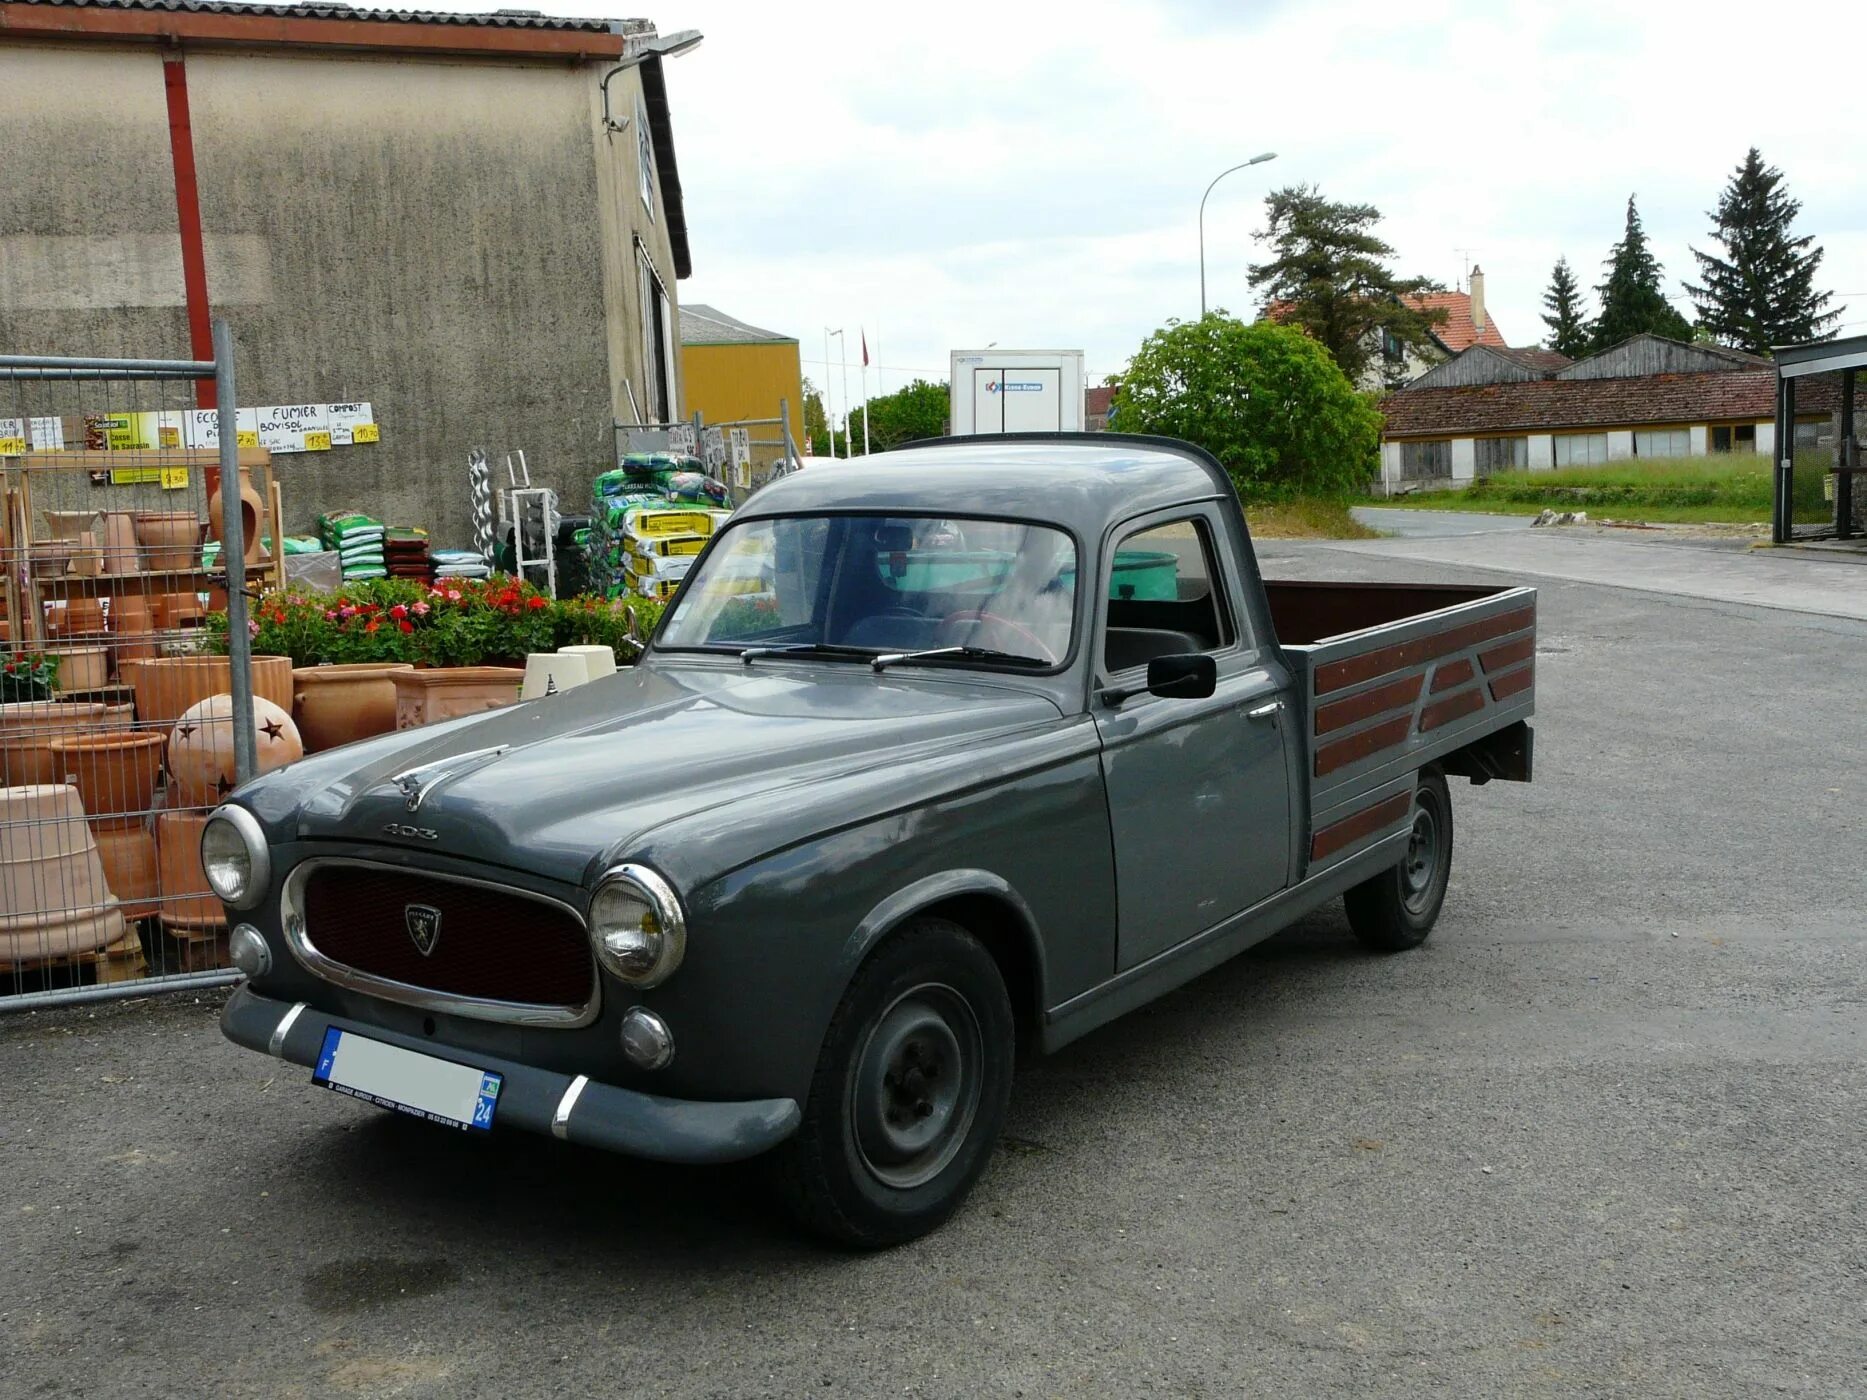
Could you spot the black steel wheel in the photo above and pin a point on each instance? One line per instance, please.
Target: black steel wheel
(909, 1091)
(1396, 910)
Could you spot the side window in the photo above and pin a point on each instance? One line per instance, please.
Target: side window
(1166, 596)
(645, 160)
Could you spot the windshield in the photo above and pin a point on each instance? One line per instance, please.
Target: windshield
(884, 584)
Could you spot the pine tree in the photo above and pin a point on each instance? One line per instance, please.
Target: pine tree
(1762, 291)
(1631, 299)
(1568, 327)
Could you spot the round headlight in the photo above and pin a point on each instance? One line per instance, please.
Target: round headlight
(235, 857)
(637, 927)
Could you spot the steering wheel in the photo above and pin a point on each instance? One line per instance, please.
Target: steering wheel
(1021, 631)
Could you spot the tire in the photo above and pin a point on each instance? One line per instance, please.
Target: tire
(1395, 910)
(909, 1092)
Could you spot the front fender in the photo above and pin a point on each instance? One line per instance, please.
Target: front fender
(933, 890)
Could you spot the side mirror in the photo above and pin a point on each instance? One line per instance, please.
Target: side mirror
(1192, 676)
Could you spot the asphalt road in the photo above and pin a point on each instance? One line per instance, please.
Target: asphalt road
(1602, 1135)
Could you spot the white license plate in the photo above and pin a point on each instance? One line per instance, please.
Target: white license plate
(407, 1081)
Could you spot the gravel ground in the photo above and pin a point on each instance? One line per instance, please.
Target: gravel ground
(1600, 1136)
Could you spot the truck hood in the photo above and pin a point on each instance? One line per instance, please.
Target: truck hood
(564, 785)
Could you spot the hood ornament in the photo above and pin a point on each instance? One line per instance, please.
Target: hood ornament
(416, 783)
(424, 926)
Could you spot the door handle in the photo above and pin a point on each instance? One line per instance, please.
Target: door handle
(1265, 711)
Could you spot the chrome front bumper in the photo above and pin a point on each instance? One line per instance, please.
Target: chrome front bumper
(576, 1109)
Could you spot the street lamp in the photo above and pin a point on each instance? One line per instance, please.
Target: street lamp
(661, 46)
(1255, 160)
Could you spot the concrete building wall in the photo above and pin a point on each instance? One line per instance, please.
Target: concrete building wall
(445, 238)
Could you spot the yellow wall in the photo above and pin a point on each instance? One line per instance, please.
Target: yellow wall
(729, 382)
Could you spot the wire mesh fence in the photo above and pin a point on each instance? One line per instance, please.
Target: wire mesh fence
(125, 717)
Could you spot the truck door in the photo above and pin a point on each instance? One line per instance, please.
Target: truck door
(1198, 790)
(1017, 400)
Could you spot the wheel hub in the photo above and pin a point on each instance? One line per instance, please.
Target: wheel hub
(916, 1086)
(1422, 858)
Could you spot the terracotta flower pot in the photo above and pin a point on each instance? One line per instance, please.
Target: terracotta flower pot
(249, 515)
(80, 617)
(88, 561)
(51, 558)
(115, 772)
(201, 766)
(122, 554)
(426, 697)
(127, 849)
(172, 611)
(171, 537)
(341, 704)
(132, 631)
(53, 896)
(69, 524)
(187, 899)
(168, 685)
(81, 668)
(28, 726)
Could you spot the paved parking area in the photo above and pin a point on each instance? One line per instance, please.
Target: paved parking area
(1601, 1136)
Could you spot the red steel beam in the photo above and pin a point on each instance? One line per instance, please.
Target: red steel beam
(188, 217)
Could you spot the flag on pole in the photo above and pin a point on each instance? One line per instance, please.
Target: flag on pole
(865, 348)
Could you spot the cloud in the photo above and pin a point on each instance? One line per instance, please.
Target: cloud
(1031, 174)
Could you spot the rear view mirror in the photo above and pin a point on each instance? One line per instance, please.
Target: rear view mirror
(1191, 676)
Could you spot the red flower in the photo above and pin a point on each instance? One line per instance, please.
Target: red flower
(535, 603)
(399, 612)
(372, 626)
(405, 625)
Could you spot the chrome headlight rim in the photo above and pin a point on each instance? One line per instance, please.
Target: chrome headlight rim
(258, 855)
(658, 894)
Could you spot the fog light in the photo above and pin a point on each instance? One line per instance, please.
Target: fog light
(646, 1038)
(249, 950)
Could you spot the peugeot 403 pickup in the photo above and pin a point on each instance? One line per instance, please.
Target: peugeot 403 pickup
(972, 745)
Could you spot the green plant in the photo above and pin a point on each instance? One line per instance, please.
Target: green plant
(28, 676)
(1265, 399)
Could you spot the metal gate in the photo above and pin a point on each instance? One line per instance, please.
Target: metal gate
(126, 672)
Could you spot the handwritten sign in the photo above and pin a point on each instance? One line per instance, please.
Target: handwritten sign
(298, 427)
(351, 423)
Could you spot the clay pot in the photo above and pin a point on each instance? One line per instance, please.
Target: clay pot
(122, 555)
(187, 899)
(341, 704)
(53, 896)
(28, 726)
(79, 617)
(249, 515)
(172, 538)
(88, 561)
(51, 558)
(127, 850)
(115, 772)
(172, 611)
(168, 685)
(119, 717)
(132, 630)
(69, 524)
(201, 767)
(426, 697)
(81, 668)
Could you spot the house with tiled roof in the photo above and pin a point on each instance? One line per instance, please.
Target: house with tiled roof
(1489, 409)
(1466, 324)
(1096, 405)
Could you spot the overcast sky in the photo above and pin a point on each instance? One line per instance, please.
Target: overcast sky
(952, 175)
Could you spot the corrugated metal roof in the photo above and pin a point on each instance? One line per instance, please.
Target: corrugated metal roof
(328, 9)
(703, 325)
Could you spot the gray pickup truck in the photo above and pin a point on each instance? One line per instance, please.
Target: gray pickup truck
(976, 743)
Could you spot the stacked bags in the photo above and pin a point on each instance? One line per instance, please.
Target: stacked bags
(459, 563)
(651, 516)
(358, 540)
(405, 551)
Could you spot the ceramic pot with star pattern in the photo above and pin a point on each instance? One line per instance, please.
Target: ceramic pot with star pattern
(200, 761)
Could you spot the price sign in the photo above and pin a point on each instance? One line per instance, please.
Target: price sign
(12, 444)
(245, 439)
(366, 432)
(317, 442)
(174, 478)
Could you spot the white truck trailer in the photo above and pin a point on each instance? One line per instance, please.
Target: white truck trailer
(1017, 391)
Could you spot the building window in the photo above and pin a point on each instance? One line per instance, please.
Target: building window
(1663, 442)
(1581, 449)
(657, 341)
(1819, 433)
(1500, 455)
(1734, 437)
(645, 159)
(1391, 348)
(1420, 461)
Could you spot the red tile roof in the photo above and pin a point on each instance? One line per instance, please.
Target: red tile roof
(1096, 401)
(1457, 330)
(1540, 405)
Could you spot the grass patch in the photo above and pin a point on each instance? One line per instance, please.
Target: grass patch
(1307, 518)
(1730, 487)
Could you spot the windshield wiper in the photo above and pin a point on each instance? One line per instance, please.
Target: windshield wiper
(750, 654)
(887, 659)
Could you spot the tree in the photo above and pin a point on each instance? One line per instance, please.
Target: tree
(1631, 300)
(918, 411)
(1265, 399)
(816, 439)
(1762, 291)
(1568, 328)
(1329, 276)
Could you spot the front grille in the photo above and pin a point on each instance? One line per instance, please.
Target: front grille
(488, 943)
